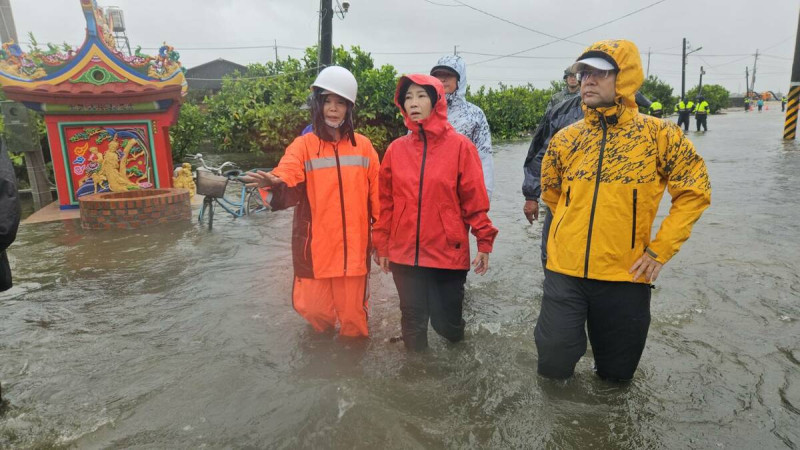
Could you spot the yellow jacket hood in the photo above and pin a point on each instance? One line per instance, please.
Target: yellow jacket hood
(625, 56)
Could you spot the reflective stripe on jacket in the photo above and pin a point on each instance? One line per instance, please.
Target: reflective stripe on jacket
(331, 230)
(603, 178)
(432, 192)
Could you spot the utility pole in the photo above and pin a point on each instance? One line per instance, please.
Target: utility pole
(455, 50)
(753, 83)
(683, 67)
(18, 123)
(326, 33)
(683, 71)
(648, 64)
(700, 86)
(747, 81)
(276, 52)
(790, 126)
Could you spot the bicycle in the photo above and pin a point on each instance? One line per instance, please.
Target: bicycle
(213, 184)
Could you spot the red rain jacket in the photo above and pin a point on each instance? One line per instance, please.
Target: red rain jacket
(431, 192)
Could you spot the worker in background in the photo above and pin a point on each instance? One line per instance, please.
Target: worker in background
(656, 109)
(684, 109)
(701, 113)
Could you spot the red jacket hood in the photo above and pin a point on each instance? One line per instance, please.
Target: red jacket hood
(435, 124)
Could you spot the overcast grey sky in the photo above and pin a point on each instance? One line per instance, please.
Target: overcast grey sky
(729, 32)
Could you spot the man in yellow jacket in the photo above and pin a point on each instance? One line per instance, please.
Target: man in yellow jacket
(603, 178)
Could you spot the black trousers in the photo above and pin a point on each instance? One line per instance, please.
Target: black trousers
(427, 293)
(701, 120)
(683, 118)
(616, 314)
(548, 219)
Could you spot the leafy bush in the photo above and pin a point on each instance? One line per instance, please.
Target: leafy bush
(512, 111)
(190, 130)
(715, 95)
(655, 89)
(261, 110)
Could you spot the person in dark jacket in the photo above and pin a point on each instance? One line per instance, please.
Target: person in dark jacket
(9, 216)
(432, 193)
(556, 118)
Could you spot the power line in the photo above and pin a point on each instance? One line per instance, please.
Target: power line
(264, 77)
(574, 34)
(516, 24)
(246, 47)
(441, 4)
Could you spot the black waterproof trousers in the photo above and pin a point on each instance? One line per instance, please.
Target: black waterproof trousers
(548, 219)
(427, 293)
(701, 120)
(683, 118)
(616, 314)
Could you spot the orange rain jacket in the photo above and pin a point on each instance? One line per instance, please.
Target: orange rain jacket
(603, 178)
(331, 230)
(432, 192)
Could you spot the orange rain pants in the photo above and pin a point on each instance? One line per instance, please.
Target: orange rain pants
(322, 300)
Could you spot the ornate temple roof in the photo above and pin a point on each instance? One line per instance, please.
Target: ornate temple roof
(94, 74)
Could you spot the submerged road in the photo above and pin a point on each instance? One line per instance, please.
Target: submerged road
(181, 337)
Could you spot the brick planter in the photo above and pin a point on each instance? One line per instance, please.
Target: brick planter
(134, 209)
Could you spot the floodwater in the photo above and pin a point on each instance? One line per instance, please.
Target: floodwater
(181, 337)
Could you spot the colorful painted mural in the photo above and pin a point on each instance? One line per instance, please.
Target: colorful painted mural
(114, 159)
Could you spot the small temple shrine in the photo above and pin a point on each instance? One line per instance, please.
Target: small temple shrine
(107, 113)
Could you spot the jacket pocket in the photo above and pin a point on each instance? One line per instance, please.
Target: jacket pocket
(633, 227)
(397, 216)
(566, 205)
(453, 226)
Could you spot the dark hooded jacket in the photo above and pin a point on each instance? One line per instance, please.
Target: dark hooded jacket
(9, 216)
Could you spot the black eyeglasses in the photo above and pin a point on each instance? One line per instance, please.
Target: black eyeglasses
(598, 74)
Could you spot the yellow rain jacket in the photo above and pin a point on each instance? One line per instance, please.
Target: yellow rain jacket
(604, 176)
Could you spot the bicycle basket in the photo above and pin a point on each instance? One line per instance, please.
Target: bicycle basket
(211, 185)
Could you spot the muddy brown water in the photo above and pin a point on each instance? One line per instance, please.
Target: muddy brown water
(181, 337)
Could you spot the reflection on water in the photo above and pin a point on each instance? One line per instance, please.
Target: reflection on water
(179, 336)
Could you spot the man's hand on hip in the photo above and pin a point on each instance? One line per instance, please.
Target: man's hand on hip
(646, 266)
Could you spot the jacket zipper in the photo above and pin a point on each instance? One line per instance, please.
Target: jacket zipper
(419, 201)
(341, 202)
(566, 204)
(594, 198)
(633, 230)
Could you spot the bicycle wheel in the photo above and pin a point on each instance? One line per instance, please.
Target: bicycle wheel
(207, 211)
(253, 202)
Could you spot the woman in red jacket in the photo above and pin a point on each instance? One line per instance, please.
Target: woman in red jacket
(431, 193)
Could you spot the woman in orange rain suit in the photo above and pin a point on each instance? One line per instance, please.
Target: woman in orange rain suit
(331, 176)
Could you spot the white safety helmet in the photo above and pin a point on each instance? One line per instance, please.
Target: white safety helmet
(337, 80)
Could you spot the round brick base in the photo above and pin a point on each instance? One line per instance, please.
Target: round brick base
(134, 209)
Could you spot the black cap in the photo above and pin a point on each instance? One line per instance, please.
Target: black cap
(446, 69)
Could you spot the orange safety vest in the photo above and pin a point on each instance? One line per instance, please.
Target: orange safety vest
(331, 231)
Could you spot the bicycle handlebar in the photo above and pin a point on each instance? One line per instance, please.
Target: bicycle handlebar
(214, 170)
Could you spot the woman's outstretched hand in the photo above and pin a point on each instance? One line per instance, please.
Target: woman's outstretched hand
(260, 179)
(481, 263)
